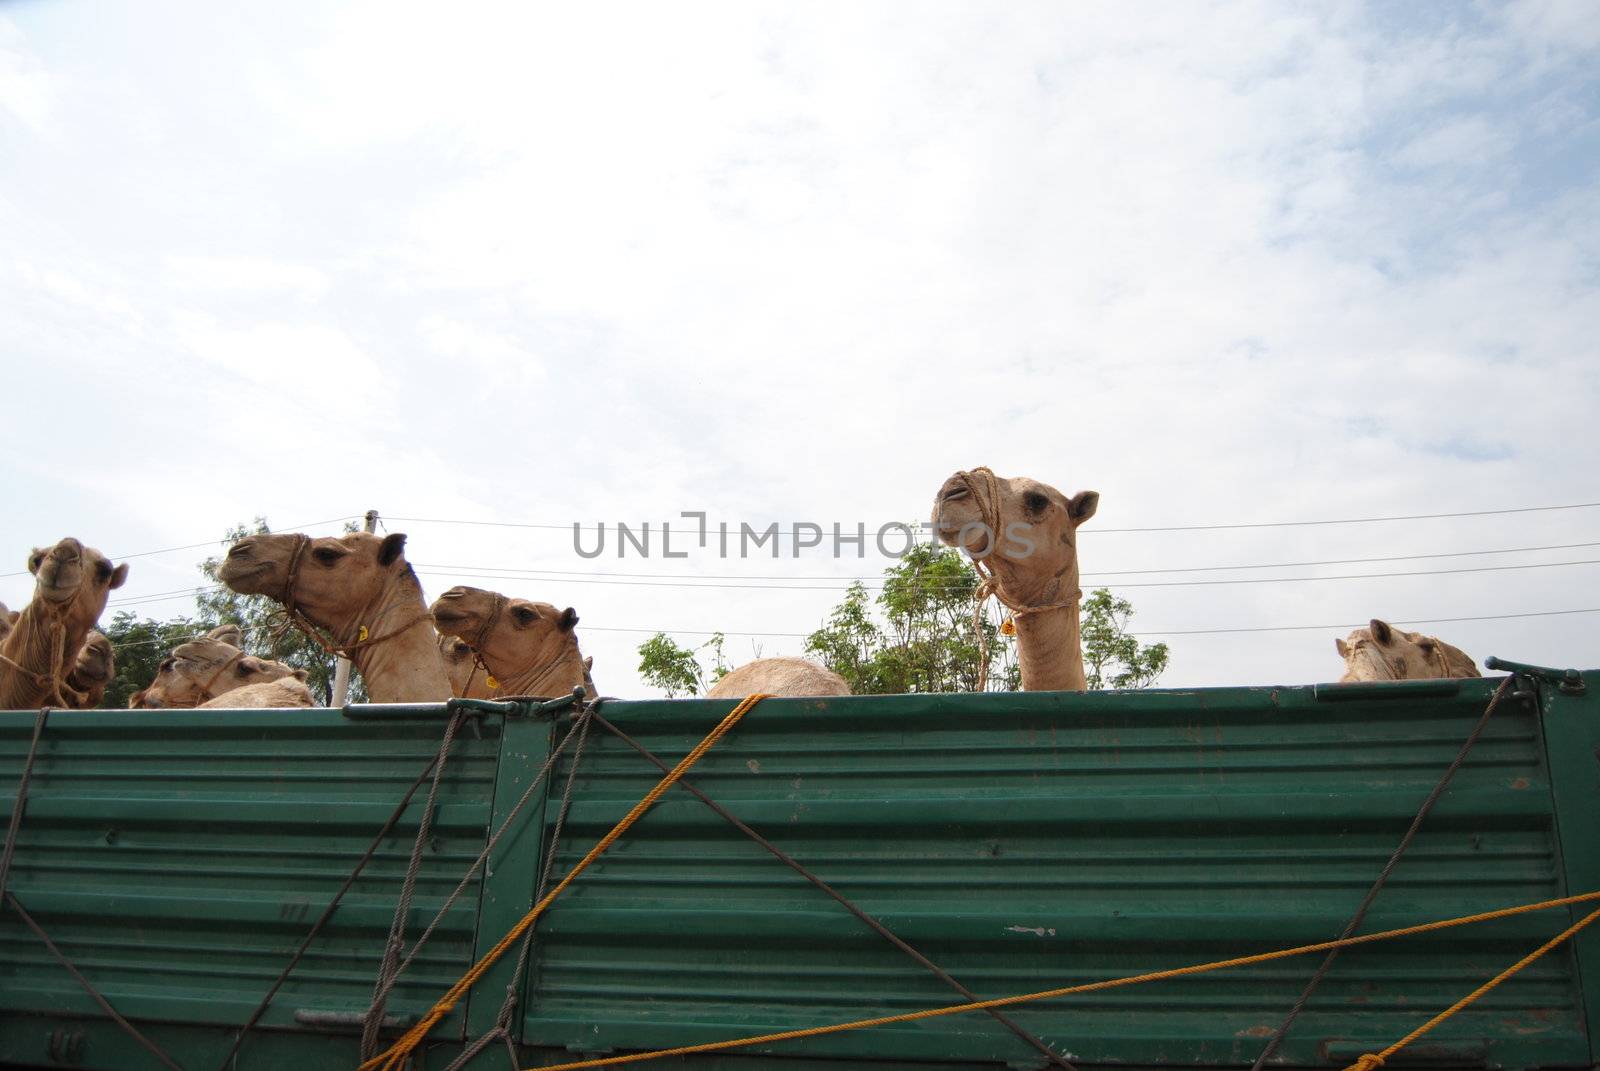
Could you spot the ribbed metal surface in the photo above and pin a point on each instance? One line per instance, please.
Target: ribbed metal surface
(178, 857)
(1028, 842)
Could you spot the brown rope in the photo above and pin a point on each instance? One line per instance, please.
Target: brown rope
(327, 912)
(206, 694)
(295, 615)
(1388, 868)
(54, 649)
(388, 974)
(987, 500)
(21, 802)
(10, 899)
(88, 987)
(877, 927)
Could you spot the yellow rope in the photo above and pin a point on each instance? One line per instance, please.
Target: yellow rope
(392, 1058)
(1373, 1061)
(1155, 976)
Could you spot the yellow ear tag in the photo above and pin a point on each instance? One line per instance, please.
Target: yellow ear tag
(1008, 627)
(490, 681)
(361, 637)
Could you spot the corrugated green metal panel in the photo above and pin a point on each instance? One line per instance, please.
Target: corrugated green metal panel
(1031, 841)
(178, 857)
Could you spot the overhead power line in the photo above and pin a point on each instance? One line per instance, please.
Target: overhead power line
(1148, 632)
(1102, 531)
(183, 593)
(194, 546)
(958, 584)
(511, 569)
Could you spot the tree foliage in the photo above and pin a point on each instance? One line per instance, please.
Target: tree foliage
(925, 640)
(140, 645)
(917, 635)
(1111, 657)
(677, 670)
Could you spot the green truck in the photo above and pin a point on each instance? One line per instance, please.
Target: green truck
(233, 884)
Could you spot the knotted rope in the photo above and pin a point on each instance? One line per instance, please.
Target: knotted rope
(54, 653)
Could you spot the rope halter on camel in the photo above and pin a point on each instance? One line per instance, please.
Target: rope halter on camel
(312, 629)
(986, 496)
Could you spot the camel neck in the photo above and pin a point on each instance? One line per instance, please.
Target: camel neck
(403, 666)
(548, 676)
(1050, 650)
(40, 645)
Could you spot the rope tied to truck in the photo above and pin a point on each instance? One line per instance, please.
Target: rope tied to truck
(9, 899)
(1383, 876)
(1372, 1061)
(395, 1056)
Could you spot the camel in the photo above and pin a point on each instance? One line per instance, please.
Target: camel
(8, 618)
(1022, 537)
(207, 669)
(284, 692)
(779, 676)
(467, 679)
(528, 648)
(528, 645)
(72, 584)
(1381, 652)
(359, 588)
(92, 671)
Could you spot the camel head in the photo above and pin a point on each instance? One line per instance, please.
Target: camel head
(96, 663)
(514, 636)
(75, 581)
(1381, 652)
(461, 667)
(208, 667)
(332, 580)
(1024, 530)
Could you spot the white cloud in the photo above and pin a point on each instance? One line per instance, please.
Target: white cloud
(1224, 263)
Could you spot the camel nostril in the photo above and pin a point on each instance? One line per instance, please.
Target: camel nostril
(954, 494)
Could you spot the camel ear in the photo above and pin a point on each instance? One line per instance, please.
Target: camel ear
(229, 634)
(1342, 647)
(569, 618)
(301, 675)
(119, 575)
(136, 700)
(13, 615)
(393, 545)
(1081, 506)
(36, 559)
(1381, 631)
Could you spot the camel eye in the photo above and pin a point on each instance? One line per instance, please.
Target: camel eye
(525, 615)
(102, 571)
(326, 555)
(166, 666)
(462, 650)
(1035, 502)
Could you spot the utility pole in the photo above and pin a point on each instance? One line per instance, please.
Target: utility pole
(341, 665)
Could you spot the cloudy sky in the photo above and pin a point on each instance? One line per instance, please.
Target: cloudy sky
(1227, 264)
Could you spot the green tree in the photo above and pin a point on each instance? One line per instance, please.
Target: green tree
(140, 646)
(1111, 657)
(267, 631)
(676, 670)
(926, 641)
(919, 637)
